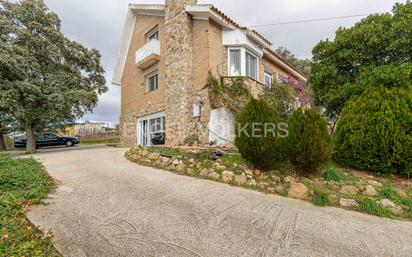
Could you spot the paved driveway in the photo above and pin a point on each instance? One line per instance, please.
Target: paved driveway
(107, 206)
(22, 152)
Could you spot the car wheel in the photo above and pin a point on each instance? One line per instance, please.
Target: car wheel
(69, 143)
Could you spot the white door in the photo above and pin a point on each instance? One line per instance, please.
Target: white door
(151, 129)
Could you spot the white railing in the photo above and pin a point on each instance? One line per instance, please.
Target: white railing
(151, 47)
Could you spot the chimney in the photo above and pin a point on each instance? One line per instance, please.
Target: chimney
(178, 71)
(173, 7)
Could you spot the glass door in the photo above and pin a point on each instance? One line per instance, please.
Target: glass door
(145, 140)
(151, 130)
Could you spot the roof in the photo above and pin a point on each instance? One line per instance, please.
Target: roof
(240, 27)
(257, 34)
(211, 10)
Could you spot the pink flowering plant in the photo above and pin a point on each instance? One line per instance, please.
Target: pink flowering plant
(303, 92)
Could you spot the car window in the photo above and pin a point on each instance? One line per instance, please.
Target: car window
(50, 136)
(39, 136)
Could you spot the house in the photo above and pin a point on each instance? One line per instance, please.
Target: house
(165, 57)
(88, 128)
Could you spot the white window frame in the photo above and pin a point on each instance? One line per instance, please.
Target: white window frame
(242, 60)
(257, 65)
(281, 76)
(152, 32)
(269, 75)
(140, 128)
(148, 77)
(243, 52)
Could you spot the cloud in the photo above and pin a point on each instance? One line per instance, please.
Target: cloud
(99, 24)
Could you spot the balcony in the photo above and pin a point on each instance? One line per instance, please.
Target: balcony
(148, 54)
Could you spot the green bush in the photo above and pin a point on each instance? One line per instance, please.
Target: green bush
(308, 141)
(375, 131)
(264, 149)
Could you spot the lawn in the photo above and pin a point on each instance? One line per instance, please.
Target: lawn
(23, 182)
(98, 142)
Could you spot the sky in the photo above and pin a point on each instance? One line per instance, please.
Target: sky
(99, 24)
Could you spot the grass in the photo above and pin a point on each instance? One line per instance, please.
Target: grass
(284, 191)
(98, 142)
(202, 155)
(389, 192)
(370, 206)
(13, 149)
(408, 203)
(232, 158)
(321, 198)
(23, 182)
(207, 164)
(332, 173)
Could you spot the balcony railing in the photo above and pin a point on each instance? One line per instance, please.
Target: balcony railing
(148, 54)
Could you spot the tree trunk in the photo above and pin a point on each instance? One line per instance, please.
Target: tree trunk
(335, 122)
(2, 144)
(31, 139)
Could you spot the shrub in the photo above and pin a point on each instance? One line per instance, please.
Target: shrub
(264, 149)
(375, 131)
(281, 97)
(308, 141)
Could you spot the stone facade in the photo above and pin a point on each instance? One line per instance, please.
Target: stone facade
(179, 75)
(190, 48)
(128, 130)
(225, 65)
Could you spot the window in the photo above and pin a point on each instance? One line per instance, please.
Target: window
(153, 34)
(251, 66)
(151, 129)
(235, 62)
(282, 79)
(152, 82)
(268, 79)
(50, 136)
(243, 63)
(157, 131)
(197, 110)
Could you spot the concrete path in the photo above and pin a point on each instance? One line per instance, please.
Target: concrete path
(107, 206)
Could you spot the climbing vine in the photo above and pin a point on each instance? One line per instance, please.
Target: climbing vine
(233, 93)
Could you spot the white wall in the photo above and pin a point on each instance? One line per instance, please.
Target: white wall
(222, 126)
(239, 38)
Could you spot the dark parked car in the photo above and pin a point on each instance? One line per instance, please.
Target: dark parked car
(48, 139)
